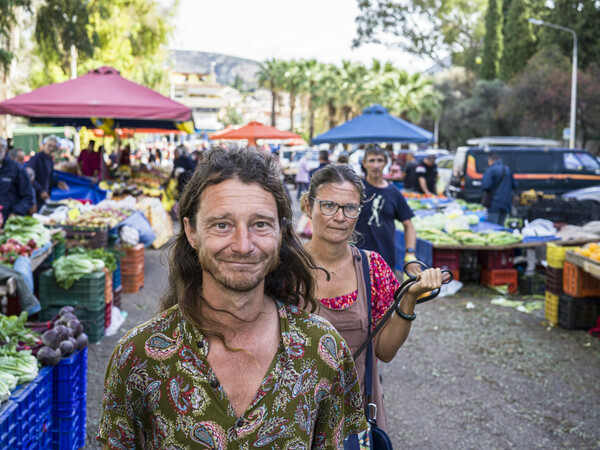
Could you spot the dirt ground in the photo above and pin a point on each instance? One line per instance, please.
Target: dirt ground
(489, 377)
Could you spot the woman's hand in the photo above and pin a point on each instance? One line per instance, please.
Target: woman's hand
(427, 281)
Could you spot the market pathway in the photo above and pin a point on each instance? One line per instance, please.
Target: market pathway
(488, 377)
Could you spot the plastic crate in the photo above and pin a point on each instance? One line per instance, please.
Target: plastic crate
(555, 255)
(64, 432)
(499, 277)
(117, 276)
(95, 330)
(496, 259)
(89, 238)
(131, 284)
(133, 261)
(107, 315)
(88, 291)
(578, 312)
(117, 297)
(532, 285)
(554, 280)
(578, 283)
(424, 251)
(551, 307)
(83, 358)
(25, 398)
(108, 286)
(446, 259)
(67, 382)
(58, 251)
(45, 438)
(8, 425)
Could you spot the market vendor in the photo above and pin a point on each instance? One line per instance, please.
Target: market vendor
(427, 174)
(43, 167)
(183, 167)
(90, 161)
(16, 195)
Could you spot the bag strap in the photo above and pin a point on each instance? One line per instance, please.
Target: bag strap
(499, 182)
(369, 360)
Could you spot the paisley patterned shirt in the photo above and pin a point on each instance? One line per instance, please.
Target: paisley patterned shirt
(161, 393)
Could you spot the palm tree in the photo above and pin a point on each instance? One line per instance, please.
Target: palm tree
(411, 96)
(313, 72)
(293, 83)
(353, 77)
(271, 77)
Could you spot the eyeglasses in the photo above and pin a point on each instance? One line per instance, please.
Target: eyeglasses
(329, 208)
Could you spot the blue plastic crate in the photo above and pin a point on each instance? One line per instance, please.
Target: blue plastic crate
(65, 396)
(81, 431)
(45, 438)
(117, 275)
(64, 432)
(424, 251)
(8, 424)
(25, 398)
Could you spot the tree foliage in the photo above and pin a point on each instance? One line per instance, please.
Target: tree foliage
(128, 35)
(8, 17)
(581, 16)
(432, 28)
(519, 40)
(492, 43)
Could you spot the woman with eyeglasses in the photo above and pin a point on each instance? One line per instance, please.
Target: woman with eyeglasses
(333, 203)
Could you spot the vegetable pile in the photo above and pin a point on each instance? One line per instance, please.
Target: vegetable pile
(23, 229)
(99, 218)
(17, 364)
(68, 269)
(64, 338)
(12, 249)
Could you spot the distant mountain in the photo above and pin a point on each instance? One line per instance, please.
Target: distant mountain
(226, 67)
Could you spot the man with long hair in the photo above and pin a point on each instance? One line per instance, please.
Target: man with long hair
(233, 360)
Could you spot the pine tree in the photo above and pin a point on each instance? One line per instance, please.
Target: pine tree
(492, 43)
(519, 41)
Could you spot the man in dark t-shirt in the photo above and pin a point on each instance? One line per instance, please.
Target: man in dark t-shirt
(426, 176)
(376, 220)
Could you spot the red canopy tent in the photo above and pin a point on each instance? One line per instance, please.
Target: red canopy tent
(254, 131)
(102, 98)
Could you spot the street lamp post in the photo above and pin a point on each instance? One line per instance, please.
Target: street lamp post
(573, 75)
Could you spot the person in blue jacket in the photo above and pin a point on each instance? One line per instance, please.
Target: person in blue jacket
(498, 180)
(43, 166)
(16, 196)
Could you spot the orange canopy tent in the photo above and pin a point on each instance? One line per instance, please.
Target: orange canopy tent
(252, 132)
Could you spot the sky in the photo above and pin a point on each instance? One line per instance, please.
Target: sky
(281, 29)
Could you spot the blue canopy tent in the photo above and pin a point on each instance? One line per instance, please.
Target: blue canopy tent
(375, 125)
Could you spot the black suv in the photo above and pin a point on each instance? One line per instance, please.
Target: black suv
(535, 163)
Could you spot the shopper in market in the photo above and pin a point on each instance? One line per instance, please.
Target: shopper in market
(302, 176)
(16, 195)
(42, 164)
(426, 176)
(232, 361)
(183, 167)
(499, 183)
(333, 203)
(17, 155)
(89, 161)
(384, 204)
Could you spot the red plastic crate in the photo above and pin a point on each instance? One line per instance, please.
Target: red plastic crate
(133, 261)
(107, 315)
(498, 277)
(117, 297)
(554, 280)
(131, 283)
(578, 283)
(446, 259)
(496, 259)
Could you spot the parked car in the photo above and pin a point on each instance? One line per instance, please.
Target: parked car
(538, 164)
(590, 193)
(290, 171)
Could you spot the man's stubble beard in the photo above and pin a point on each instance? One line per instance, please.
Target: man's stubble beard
(228, 281)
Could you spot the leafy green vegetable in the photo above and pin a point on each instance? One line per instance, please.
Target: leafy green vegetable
(109, 258)
(68, 269)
